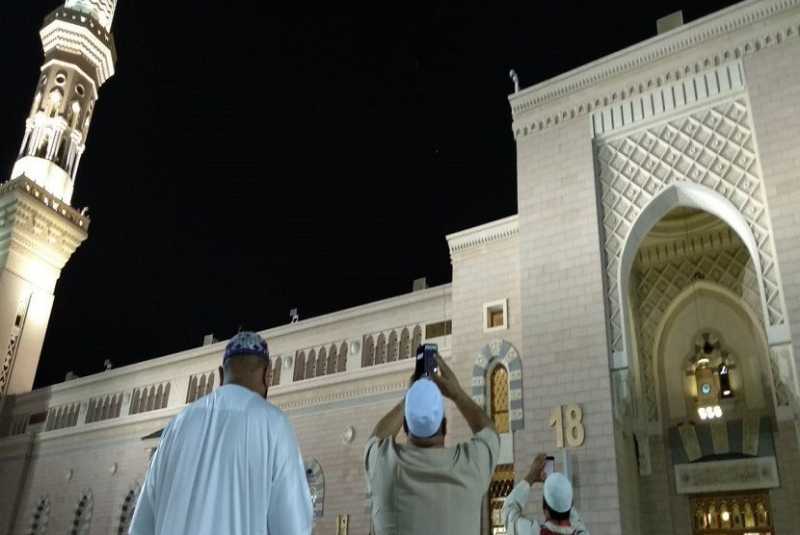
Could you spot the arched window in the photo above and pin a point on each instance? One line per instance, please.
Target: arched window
(126, 511)
(392, 349)
(276, 371)
(416, 339)
(499, 398)
(40, 517)
(333, 354)
(54, 106)
(311, 364)
(299, 366)
(82, 521)
(368, 352)
(341, 363)
(380, 350)
(321, 361)
(191, 392)
(405, 344)
(165, 398)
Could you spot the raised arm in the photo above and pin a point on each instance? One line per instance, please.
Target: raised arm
(476, 417)
(390, 424)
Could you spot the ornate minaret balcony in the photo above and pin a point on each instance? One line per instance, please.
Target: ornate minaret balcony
(79, 57)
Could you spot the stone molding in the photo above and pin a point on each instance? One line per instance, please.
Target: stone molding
(477, 236)
(725, 476)
(773, 31)
(720, 82)
(71, 31)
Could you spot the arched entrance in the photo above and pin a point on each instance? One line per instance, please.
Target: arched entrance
(696, 326)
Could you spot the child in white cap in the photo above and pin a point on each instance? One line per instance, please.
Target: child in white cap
(561, 518)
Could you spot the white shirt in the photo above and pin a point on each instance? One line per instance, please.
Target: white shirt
(516, 524)
(228, 463)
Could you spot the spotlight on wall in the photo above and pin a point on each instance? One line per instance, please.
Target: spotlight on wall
(702, 412)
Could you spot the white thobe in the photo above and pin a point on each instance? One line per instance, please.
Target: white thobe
(228, 463)
(516, 524)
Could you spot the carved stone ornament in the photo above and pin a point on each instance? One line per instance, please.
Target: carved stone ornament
(348, 435)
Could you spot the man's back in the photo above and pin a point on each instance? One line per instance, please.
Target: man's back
(228, 463)
(430, 490)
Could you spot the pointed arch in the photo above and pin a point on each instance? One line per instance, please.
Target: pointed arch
(416, 339)
(391, 347)
(333, 355)
(405, 344)
(380, 349)
(322, 357)
(367, 352)
(500, 352)
(341, 362)
(299, 366)
(311, 364)
(678, 195)
(276, 371)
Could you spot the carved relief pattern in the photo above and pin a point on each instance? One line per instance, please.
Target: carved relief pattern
(658, 286)
(712, 147)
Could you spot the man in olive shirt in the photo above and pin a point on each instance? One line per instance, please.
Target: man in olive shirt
(422, 487)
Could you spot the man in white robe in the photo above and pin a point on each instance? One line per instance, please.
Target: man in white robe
(229, 462)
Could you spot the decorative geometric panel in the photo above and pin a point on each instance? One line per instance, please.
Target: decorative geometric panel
(712, 147)
(499, 401)
(657, 287)
(504, 353)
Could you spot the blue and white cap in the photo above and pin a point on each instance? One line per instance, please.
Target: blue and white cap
(246, 343)
(424, 408)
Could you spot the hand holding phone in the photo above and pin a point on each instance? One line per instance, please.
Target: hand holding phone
(549, 465)
(426, 364)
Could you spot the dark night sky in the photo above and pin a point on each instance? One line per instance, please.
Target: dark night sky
(242, 162)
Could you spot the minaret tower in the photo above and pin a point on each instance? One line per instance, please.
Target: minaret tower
(39, 228)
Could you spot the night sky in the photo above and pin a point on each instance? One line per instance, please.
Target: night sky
(243, 162)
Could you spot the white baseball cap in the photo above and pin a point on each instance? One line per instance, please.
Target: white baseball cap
(558, 492)
(424, 408)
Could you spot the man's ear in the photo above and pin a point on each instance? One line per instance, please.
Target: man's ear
(221, 376)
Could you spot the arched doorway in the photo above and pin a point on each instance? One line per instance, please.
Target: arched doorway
(695, 325)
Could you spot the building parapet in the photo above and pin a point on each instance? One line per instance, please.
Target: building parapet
(496, 230)
(168, 383)
(771, 21)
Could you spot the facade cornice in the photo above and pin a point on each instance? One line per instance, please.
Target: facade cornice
(770, 22)
(214, 351)
(501, 229)
(39, 195)
(73, 32)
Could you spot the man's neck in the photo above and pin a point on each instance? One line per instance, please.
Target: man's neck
(243, 385)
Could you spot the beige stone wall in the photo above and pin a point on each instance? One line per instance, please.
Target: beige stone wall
(774, 89)
(563, 315)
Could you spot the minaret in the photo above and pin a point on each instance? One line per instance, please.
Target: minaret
(39, 229)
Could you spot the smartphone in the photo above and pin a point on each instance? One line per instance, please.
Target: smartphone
(549, 465)
(426, 364)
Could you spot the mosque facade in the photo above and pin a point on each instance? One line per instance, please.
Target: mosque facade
(636, 318)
